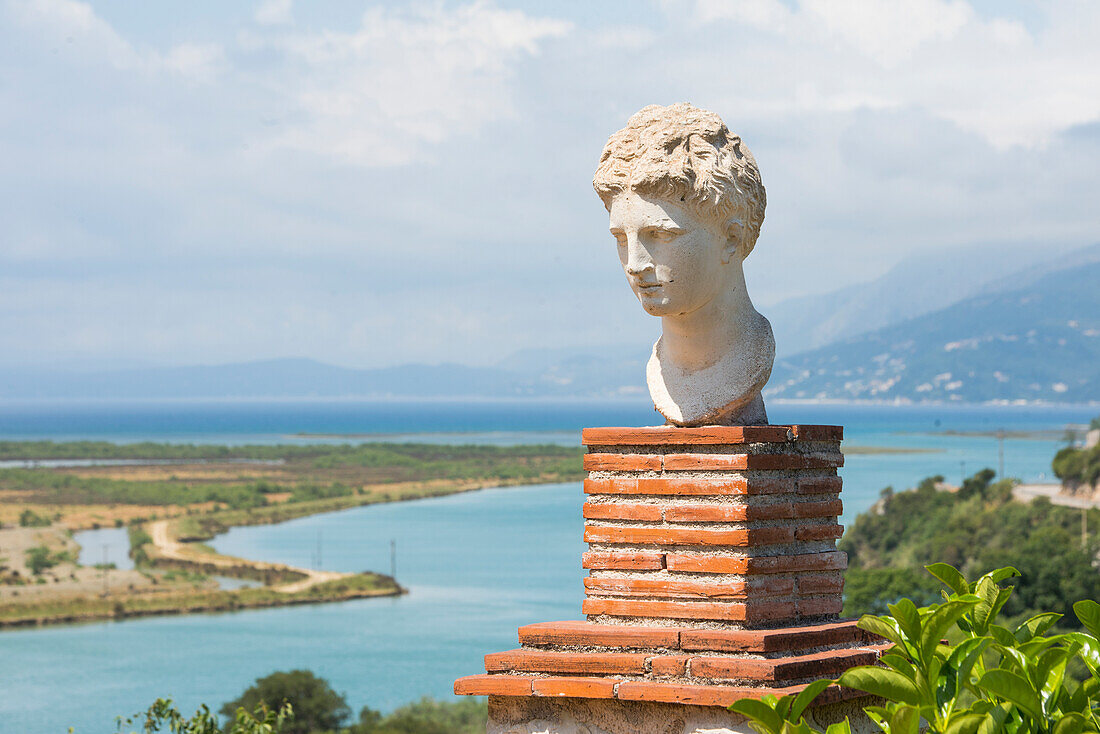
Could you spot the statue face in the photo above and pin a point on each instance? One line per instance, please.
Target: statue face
(673, 259)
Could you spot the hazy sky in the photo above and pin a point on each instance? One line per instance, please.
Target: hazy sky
(373, 183)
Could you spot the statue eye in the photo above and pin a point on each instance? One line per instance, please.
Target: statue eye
(620, 238)
(664, 235)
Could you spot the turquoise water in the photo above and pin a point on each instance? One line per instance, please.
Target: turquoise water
(478, 565)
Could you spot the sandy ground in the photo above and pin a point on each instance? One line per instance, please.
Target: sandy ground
(1053, 492)
(65, 579)
(171, 548)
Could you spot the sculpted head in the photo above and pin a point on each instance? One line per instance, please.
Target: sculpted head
(685, 202)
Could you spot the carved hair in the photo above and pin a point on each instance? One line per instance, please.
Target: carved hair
(683, 152)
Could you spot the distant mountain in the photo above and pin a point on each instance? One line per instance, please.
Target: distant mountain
(579, 375)
(916, 286)
(1039, 341)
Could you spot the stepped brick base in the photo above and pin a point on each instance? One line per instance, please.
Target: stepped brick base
(713, 576)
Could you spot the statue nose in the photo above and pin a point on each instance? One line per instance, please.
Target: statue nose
(637, 257)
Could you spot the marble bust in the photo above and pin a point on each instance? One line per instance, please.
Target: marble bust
(686, 203)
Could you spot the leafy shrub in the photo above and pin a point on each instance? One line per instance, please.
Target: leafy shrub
(316, 706)
(163, 716)
(995, 679)
(28, 518)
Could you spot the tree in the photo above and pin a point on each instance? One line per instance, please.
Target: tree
(30, 519)
(39, 559)
(316, 706)
(426, 716)
(163, 716)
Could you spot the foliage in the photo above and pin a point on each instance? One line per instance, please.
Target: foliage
(163, 716)
(40, 558)
(976, 529)
(28, 518)
(426, 716)
(996, 679)
(139, 538)
(316, 706)
(1077, 467)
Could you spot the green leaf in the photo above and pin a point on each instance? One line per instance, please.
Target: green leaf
(805, 697)
(885, 627)
(840, 727)
(938, 622)
(1002, 635)
(1001, 574)
(1088, 612)
(888, 684)
(950, 577)
(961, 662)
(760, 713)
(965, 724)
(1070, 724)
(1011, 687)
(1037, 625)
(905, 612)
(905, 720)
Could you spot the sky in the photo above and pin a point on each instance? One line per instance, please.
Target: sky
(370, 184)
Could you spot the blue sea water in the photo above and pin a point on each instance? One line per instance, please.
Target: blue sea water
(478, 565)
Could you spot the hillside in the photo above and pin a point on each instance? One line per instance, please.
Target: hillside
(917, 285)
(1038, 342)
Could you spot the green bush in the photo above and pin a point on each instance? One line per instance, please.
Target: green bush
(995, 679)
(28, 518)
(317, 708)
(163, 716)
(976, 529)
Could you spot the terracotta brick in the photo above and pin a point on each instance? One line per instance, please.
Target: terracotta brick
(777, 462)
(768, 611)
(493, 685)
(817, 433)
(685, 693)
(622, 560)
(819, 532)
(769, 485)
(821, 584)
(544, 661)
(730, 612)
(669, 665)
(700, 695)
(690, 486)
(773, 640)
(829, 663)
(820, 605)
(670, 435)
(706, 462)
(686, 536)
(575, 687)
(819, 485)
(587, 634)
(728, 513)
(621, 462)
(818, 508)
(827, 561)
(706, 564)
(665, 588)
(621, 511)
(667, 486)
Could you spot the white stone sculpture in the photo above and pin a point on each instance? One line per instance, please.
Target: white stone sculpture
(686, 204)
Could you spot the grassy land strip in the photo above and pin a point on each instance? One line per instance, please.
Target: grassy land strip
(84, 609)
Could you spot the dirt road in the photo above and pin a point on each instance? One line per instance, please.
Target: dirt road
(171, 548)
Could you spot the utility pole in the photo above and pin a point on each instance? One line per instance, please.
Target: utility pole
(105, 581)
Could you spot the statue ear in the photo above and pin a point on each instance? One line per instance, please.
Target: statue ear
(735, 241)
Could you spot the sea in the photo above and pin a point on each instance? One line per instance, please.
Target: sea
(477, 565)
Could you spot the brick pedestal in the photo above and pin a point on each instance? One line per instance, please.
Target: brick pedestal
(713, 575)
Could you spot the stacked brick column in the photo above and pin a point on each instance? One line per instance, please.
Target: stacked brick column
(713, 572)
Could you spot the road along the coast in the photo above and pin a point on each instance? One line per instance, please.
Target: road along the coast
(170, 548)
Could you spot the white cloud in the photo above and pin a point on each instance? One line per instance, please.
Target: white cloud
(274, 12)
(374, 96)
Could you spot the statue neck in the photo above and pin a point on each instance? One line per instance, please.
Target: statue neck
(697, 340)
